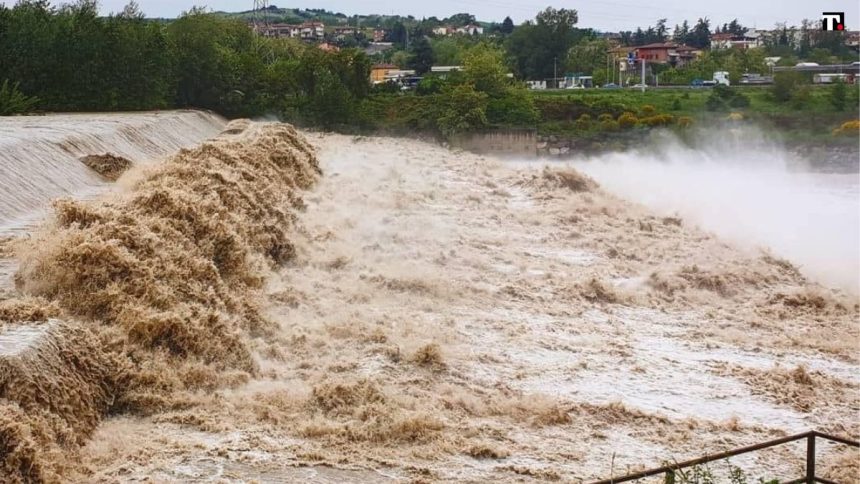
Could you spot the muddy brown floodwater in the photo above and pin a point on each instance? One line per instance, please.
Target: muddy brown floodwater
(449, 317)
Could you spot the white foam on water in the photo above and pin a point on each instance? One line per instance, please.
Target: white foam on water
(750, 192)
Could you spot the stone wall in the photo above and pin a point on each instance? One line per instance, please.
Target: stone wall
(508, 142)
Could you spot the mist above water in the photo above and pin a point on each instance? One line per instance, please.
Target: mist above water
(750, 191)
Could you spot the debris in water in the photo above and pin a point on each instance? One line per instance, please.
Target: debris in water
(107, 165)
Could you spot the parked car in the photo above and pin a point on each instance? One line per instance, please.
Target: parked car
(638, 86)
(696, 83)
(806, 64)
(611, 85)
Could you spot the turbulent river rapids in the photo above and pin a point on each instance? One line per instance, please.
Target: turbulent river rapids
(186, 299)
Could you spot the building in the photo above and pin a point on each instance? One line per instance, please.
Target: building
(748, 40)
(676, 55)
(443, 71)
(852, 40)
(344, 32)
(470, 30)
(312, 30)
(328, 47)
(378, 47)
(281, 31)
(379, 72)
(379, 35)
(444, 30)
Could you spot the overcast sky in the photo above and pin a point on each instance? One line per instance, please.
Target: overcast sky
(610, 15)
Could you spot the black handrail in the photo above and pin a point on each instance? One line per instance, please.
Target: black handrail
(810, 478)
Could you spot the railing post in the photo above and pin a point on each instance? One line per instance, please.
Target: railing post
(810, 459)
(670, 477)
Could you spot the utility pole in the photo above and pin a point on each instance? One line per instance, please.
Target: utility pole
(643, 75)
(555, 71)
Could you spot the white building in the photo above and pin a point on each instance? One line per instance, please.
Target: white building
(470, 30)
(312, 30)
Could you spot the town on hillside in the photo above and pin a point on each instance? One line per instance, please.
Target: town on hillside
(650, 56)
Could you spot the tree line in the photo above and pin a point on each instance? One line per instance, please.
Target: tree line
(72, 59)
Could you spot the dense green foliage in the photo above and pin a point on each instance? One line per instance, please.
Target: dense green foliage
(536, 49)
(13, 101)
(68, 58)
(723, 98)
(480, 96)
(74, 60)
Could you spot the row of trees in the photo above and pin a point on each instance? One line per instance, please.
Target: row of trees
(72, 59)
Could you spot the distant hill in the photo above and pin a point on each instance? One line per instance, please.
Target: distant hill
(275, 14)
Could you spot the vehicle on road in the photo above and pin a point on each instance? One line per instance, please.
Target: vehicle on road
(755, 79)
(638, 86)
(611, 85)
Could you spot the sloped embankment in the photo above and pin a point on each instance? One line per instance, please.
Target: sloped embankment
(134, 302)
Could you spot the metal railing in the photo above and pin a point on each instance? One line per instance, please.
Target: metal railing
(669, 470)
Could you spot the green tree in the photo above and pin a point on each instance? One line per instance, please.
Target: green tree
(700, 35)
(535, 48)
(784, 85)
(507, 26)
(206, 49)
(838, 95)
(484, 68)
(460, 19)
(421, 55)
(588, 56)
(514, 107)
(448, 51)
(461, 108)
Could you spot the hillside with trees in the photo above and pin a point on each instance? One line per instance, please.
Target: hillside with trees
(69, 58)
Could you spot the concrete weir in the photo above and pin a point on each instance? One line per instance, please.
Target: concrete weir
(55, 371)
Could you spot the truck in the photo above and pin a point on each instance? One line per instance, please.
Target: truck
(755, 79)
(831, 78)
(722, 77)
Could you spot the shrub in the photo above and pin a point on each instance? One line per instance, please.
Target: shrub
(676, 104)
(723, 96)
(658, 120)
(715, 103)
(428, 85)
(462, 108)
(685, 121)
(583, 123)
(605, 117)
(515, 106)
(627, 120)
(738, 100)
(784, 85)
(648, 110)
(13, 101)
(848, 128)
(801, 96)
(609, 125)
(838, 95)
